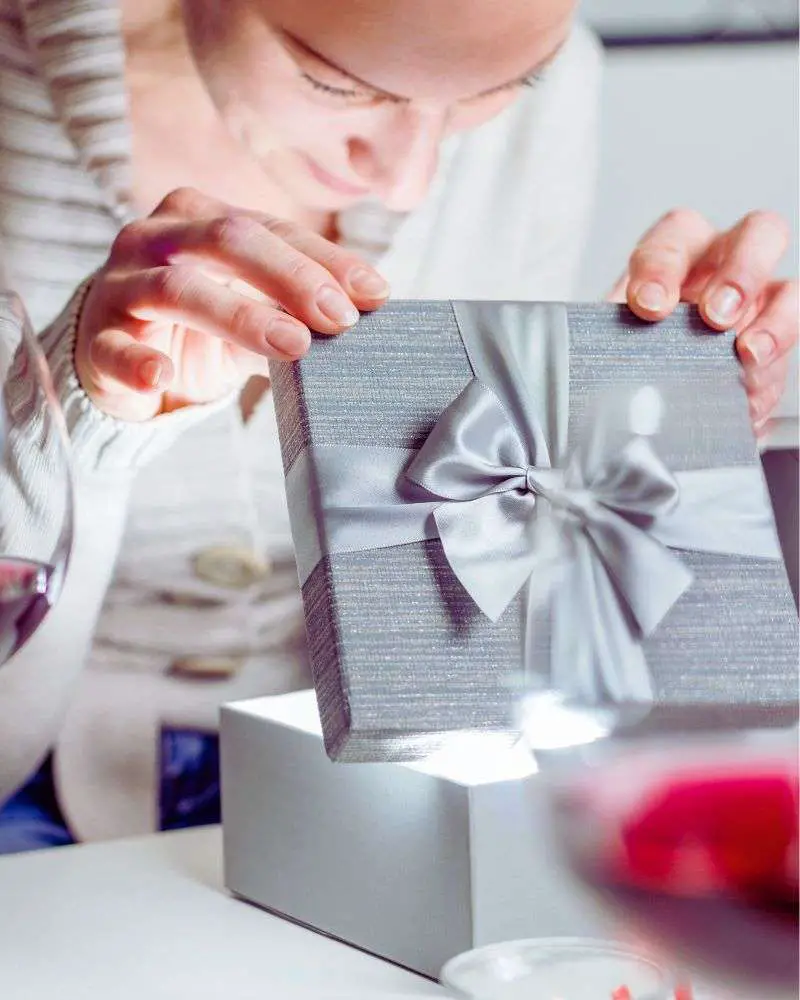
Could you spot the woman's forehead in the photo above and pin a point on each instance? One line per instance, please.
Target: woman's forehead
(410, 46)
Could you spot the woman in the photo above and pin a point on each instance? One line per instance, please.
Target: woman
(364, 144)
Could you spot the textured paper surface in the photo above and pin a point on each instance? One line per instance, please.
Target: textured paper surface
(394, 668)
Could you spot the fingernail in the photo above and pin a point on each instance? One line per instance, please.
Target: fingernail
(757, 347)
(336, 306)
(368, 282)
(652, 297)
(724, 304)
(288, 337)
(151, 372)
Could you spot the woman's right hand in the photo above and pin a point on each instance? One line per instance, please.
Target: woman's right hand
(195, 298)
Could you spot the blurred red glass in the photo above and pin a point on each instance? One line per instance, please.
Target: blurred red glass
(700, 850)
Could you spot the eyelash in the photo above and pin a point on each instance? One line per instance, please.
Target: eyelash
(326, 88)
(529, 81)
(532, 79)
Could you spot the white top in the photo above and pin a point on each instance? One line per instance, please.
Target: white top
(506, 218)
(148, 919)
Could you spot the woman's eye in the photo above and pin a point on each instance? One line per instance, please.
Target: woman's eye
(532, 80)
(339, 92)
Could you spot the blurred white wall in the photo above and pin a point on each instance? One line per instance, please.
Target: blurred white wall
(712, 127)
(649, 17)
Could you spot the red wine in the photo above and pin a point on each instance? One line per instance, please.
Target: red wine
(702, 857)
(24, 601)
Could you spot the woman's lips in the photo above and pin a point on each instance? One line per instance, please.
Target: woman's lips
(332, 181)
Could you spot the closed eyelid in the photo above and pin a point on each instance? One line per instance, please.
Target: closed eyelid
(349, 83)
(360, 88)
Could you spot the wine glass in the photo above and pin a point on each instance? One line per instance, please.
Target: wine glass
(688, 842)
(694, 844)
(36, 489)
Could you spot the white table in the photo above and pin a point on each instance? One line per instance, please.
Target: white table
(148, 919)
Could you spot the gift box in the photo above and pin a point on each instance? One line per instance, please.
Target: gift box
(483, 495)
(415, 862)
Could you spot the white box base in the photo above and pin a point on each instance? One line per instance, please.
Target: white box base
(412, 862)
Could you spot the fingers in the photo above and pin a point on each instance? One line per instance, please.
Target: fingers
(363, 284)
(663, 260)
(118, 360)
(764, 348)
(773, 331)
(764, 390)
(121, 360)
(314, 280)
(182, 295)
(113, 364)
(187, 305)
(751, 251)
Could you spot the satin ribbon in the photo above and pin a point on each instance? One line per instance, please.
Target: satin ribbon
(593, 536)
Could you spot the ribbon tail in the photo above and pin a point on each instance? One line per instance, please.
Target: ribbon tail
(571, 654)
(649, 576)
(597, 654)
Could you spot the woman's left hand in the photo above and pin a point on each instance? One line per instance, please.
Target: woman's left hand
(729, 275)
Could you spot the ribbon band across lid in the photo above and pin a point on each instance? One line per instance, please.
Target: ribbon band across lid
(593, 527)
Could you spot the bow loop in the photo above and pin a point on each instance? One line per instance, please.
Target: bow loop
(635, 481)
(473, 450)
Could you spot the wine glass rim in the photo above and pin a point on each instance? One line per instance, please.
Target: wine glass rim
(449, 975)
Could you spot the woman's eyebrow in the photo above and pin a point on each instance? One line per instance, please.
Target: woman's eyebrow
(304, 47)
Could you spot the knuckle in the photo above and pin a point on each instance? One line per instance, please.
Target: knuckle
(770, 395)
(128, 241)
(683, 217)
(173, 284)
(281, 228)
(97, 352)
(787, 298)
(246, 321)
(126, 358)
(301, 273)
(232, 232)
(661, 256)
(181, 201)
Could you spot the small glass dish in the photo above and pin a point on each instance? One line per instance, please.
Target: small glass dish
(556, 969)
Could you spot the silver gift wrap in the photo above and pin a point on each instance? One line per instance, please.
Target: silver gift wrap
(435, 452)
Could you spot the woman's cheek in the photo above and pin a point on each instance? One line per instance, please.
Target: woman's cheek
(291, 124)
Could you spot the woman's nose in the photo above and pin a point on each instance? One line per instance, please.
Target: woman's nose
(398, 160)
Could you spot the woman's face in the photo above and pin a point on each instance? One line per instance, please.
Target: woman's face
(346, 99)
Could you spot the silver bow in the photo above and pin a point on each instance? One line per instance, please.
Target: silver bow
(503, 509)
